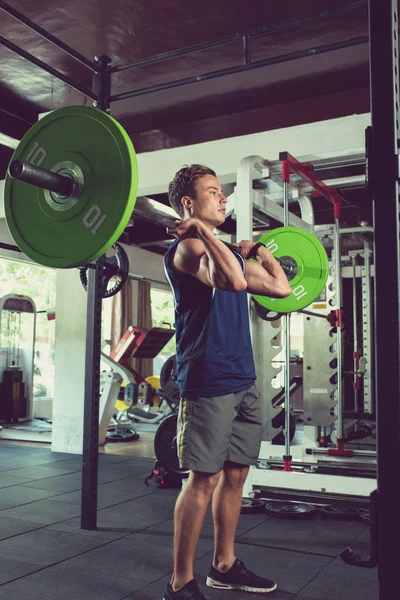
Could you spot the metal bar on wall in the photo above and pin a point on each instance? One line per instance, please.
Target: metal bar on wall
(157, 58)
(260, 31)
(241, 68)
(45, 34)
(45, 67)
(384, 182)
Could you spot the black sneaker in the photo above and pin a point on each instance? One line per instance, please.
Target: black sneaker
(239, 578)
(190, 591)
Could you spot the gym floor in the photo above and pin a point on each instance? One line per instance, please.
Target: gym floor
(46, 556)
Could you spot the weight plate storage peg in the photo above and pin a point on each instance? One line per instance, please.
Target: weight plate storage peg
(93, 150)
(115, 271)
(304, 259)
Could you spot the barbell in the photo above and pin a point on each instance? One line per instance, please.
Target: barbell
(71, 189)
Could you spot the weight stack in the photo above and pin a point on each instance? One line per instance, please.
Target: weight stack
(12, 400)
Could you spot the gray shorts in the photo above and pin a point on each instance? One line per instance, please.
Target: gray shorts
(214, 430)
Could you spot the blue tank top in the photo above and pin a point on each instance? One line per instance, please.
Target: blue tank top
(213, 345)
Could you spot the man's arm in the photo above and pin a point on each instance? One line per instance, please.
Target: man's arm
(266, 278)
(207, 258)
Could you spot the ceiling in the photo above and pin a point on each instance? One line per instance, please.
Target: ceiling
(313, 55)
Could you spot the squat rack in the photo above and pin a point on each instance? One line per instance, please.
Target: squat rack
(383, 158)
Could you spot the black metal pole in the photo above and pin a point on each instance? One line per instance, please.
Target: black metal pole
(241, 68)
(45, 34)
(90, 462)
(10, 247)
(47, 68)
(102, 83)
(260, 31)
(246, 49)
(384, 181)
(157, 58)
(92, 397)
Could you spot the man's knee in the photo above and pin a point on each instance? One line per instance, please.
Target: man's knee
(204, 483)
(235, 474)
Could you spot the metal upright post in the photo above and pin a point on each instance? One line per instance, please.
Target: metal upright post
(102, 82)
(287, 459)
(339, 341)
(101, 86)
(384, 180)
(367, 333)
(356, 375)
(92, 394)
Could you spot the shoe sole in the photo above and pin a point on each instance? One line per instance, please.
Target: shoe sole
(213, 583)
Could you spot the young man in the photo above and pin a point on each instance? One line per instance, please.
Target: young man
(219, 422)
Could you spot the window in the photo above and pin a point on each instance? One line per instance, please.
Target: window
(39, 283)
(163, 315)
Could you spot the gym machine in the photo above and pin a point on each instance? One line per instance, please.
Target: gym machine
(17, 340)
(315, 462)
(139, 394)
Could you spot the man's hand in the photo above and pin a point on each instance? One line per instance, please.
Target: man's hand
(246, 246)
(185, 228)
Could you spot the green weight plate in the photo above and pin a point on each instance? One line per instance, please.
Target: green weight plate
(312, 267)
(96, 151)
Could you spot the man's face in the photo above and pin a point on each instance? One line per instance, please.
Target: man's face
(209, 205)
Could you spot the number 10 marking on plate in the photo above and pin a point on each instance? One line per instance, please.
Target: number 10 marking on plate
(299, 291)
(94, 218)
(37, 155)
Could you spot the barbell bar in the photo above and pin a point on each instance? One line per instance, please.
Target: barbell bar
(46, 180)
(63, 185)
(71, 190)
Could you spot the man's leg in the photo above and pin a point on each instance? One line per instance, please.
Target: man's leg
(227, 571)
(226, 505)
(189, 514)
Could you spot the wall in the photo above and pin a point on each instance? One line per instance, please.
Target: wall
(321, 140)
(69, 363)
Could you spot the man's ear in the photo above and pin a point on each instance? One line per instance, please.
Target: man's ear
(187, 202)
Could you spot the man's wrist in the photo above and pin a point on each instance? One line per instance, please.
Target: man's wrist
(258, 248)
